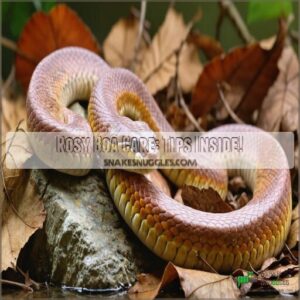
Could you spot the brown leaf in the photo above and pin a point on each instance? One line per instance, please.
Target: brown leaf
(247, 74)
(148, 286)
(293, 237)
(189, 67)
(158, 65)
(20, 205)
(208, 44)
(16, 152)
(287, 285)
(159, 181)
(13, 111)
(15, 149)
(195, 284)
(295, 213)
(119, 45)
(280, 106)
(178, 197)
(268, 263)
(22, 214)
(206, 199)
(242, 200)
(44, 33)
(204, 285)
(296, 157)
(177, 117)
(273, 262)
(279, 271)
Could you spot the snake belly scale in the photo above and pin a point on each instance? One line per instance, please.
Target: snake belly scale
(119, 101)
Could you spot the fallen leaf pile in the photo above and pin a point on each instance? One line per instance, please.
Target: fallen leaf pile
(276, 275)
(21, 207)
(246, 74)
(195, 284)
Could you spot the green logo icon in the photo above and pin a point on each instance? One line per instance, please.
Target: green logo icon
(244, 279)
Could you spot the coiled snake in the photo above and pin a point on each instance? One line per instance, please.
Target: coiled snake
(119, 101)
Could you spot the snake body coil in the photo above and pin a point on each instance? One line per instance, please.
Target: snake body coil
(194, 239)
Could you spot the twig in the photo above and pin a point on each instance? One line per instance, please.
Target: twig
(14, 47)
(251, 267)
(18, 284)
(188, 113)
(211, 267)
(289, 250)
(34, 283)
(140, 33)
(8, 82)
(219, 22)
(137, 14)
(227, 106)
(237, 20)
(146, 36)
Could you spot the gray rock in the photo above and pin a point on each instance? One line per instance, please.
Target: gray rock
(85, 242)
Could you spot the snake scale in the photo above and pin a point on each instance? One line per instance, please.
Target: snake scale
(118, 101)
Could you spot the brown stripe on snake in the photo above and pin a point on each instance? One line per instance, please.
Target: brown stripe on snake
(120, 102)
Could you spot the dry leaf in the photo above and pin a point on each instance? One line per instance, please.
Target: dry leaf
(147, 287)
(159, 181)
(13, 111)
(208, 44)
(293, 237)
(272, 263)
(177, 117)
(20, 205)
(119, 46)
(279, 271)
(246, 73)
(13, 117)
(242, 200)
(22, 214)
(44, 33)
(287, 285)
(178, 197)
(296, 157)
(195, 284)
(205, 285)
(268, 263)
(280, 106)
(189, 67)
(158, 64)
(206, 199)
(295, 213)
